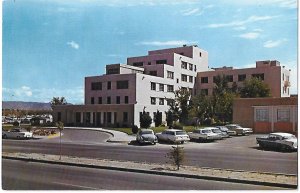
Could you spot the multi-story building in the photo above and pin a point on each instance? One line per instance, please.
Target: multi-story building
(118, 97)
(145, 83)
(275, 76)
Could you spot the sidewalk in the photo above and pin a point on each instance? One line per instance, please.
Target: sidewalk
(233, 176)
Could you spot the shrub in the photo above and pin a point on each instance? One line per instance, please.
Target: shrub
(177, 125)
(145, 120)
(176, 156)
(134, 129)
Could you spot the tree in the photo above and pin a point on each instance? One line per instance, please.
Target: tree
(254, 88)
(201, 107)
(169, 117)
(134, 129)
(176, 155)
(60, 127)
(58, 101)
(145, 120)
(158, 118)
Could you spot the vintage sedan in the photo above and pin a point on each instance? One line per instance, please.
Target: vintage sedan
(204, 134)
(17, 133)
(278, 141)
(239, 130)
(146, 136)
(225, 129)
(173, 136)
(221, 133)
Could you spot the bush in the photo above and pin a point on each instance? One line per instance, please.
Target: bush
(177, 125)
(176, 156)
(134, 129)
(145, 120)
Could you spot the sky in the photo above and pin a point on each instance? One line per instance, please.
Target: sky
(49, 46)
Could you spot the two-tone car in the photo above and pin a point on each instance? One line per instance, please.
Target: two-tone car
(204, 134)
(173, 136)
(219, 132)
(239, 129)
(279, 141)
(225, 129)
(17, 133)
(146, 136)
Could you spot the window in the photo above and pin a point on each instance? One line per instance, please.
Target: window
(108, 85)
(153, 86)
(200, 54)
(126, 100)
(153, 73)
(161, 101)
(183, 65)
(184, 78)
(195, 69)
(177, 80)
(161, 61)
(161, 87)
(138, 64)
(125, 117)
(170, 74)
(122, 84)
(96, 85)
(241, 77)
(153, 100)
(229, 78)
(283, 115)
(170, 102)
(118, 99)
(259, 76)
(99, 100)
(108, 100)
(204, 91)
(262, 115)
(170, 88)
(190, 66)
(204, 79)
(113, 71)
(78, 117)
(149, 63)
(190, 79)
(92, 100)
(108, 117)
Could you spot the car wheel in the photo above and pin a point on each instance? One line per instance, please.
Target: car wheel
(154, 143)
(182, 142)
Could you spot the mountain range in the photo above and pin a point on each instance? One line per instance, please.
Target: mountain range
(20, 105)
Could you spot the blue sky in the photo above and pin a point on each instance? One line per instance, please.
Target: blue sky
(49, 46)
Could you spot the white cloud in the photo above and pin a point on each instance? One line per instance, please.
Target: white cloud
(239, 23)
(73, 45)
(167, 43)
(194, 11)
(240, 28)
(250, 35)
(290, 4)
(24, 90)
(272, 44)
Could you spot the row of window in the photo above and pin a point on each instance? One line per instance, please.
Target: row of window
(121, 84)
(184, 78)
(170, 88)
(107, 117)
(161, 101)
(241, 77)
(108, 100)
(185, 65)
(149, 63)
(282, 115)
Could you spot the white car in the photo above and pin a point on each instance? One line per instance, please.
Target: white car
(239, 130)
(205, 134)
(17, 133)
(173, 135)
(279, 141)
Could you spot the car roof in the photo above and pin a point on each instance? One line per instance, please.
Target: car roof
(146, 130)
(209, 128)
(282, 134)
(173, 130)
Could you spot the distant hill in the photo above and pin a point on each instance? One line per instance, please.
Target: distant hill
(25, 105)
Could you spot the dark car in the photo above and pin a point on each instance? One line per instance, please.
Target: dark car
(278, 141)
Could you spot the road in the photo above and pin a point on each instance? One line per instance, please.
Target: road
(20, 175)
(239, 153)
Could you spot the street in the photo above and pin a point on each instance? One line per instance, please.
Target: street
(240, 153)
(20, 175)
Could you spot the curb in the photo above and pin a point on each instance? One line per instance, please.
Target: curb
(163, 173)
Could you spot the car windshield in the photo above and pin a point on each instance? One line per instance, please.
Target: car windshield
(216, 130)
(180, 132)
(289, 137)
(146, 132)
(206, 131)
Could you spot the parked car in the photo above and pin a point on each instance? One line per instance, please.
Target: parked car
(225, 129)
(173, 135)
(219, 132)
(239, 130)
(204, 134)
(17, 133)
(279, 141)
(146, 136)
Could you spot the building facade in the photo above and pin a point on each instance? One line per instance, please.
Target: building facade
(118, 97)
(275, 76)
